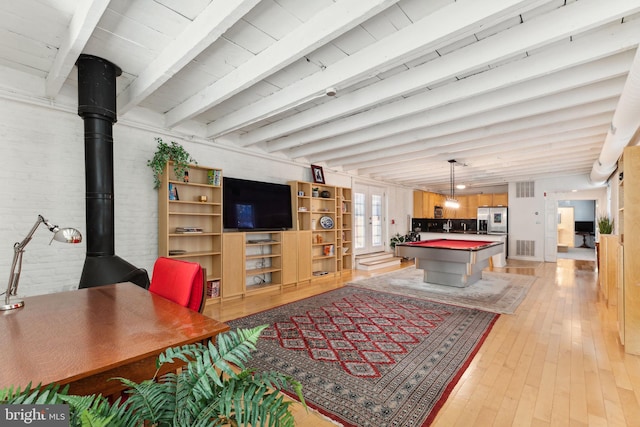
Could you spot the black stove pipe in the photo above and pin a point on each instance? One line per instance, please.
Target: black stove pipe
(97, 107)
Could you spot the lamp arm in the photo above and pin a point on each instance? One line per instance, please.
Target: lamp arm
(18, 250)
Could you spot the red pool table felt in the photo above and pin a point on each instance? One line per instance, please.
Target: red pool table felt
(452, 244)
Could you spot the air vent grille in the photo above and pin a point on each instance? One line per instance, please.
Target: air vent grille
(525, 189)
(526, 247)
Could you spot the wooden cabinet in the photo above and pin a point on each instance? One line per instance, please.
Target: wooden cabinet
(485, 200)
(417, 204)
(325, 214)
(424, 203)
(344, 233)
(500, 199)
(472, 206)
(190, 220)
(289, 257)
(304, 255)
(628, 231)
(608, 264)
(255, 262)
(234, 265)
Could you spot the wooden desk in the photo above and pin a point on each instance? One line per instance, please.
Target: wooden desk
(85, 337)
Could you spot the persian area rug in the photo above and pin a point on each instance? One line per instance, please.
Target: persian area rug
(367, 358)
(495, 292)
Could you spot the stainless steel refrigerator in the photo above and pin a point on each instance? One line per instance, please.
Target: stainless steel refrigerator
(493, 220)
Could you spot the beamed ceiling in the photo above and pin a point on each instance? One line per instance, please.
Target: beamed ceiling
(512, 90)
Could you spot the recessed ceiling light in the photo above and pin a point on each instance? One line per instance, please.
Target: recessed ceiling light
(461, 186)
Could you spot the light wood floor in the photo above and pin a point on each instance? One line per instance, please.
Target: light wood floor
(556, 361)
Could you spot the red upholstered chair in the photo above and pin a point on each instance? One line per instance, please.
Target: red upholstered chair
(179, 281)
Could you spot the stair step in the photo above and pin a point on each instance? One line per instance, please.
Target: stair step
(374, 256)
(376, 261)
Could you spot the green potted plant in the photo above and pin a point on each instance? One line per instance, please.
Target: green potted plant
(395, 239)
(164, 154)
(208, 391)
(605, 224)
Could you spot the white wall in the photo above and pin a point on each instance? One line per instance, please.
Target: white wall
(42, 172)
(527, 215)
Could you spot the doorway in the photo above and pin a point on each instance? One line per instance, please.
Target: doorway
(576, 225)
(368, 210)
(566, 227)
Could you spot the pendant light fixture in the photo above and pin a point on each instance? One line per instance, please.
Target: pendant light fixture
(451, 201)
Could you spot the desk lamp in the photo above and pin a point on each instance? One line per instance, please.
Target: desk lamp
(67, 235)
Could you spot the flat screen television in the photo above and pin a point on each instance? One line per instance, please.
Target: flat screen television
(585, 227)
(255, 205)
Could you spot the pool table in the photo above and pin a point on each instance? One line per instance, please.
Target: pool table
(451, 262)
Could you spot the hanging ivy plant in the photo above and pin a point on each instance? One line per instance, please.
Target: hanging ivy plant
(169, 152)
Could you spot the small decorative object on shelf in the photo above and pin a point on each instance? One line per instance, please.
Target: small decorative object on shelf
(318, 174)
(325, 195)
(186, 230)
(202, 198)
(326, 222)
(186, 176)
(213, 177)
(213, 288)
(315, 192)
(173, 192)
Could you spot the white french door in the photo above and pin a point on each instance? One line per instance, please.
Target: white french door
(368, 209)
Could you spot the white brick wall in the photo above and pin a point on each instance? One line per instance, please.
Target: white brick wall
(42, 172)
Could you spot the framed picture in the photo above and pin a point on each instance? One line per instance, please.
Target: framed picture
(318, 174)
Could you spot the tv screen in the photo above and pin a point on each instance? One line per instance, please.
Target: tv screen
(255, 205)
(585, 227)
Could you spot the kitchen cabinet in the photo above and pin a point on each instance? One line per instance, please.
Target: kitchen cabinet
(485, 200)
(418, 211)
(500, 199)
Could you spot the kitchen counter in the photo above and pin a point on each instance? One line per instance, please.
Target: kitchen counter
(499, 260)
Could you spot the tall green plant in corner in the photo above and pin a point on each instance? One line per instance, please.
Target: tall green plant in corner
(605, 225)
(206, 392)
(169, 152)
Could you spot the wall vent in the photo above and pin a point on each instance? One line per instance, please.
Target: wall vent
(526, 247)
(525, 189)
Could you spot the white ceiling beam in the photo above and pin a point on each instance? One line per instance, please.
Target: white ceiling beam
(445, 25)
(547, 102)
(550, 28)
(432, 147)
(550, 99)
(84, 21)
(559, 162)
(503, 168)
(473, 151)
(516, 117)
(208, 26)
(375, 123)
(318, 31)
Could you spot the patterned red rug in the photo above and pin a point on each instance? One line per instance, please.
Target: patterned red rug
(368, 358)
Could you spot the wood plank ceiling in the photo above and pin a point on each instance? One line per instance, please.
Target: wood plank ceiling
(513, 90)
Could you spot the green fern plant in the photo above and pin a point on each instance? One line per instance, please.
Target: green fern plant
(164, 154)
(206, 392)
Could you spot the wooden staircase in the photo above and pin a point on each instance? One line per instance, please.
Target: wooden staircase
(376, 261)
